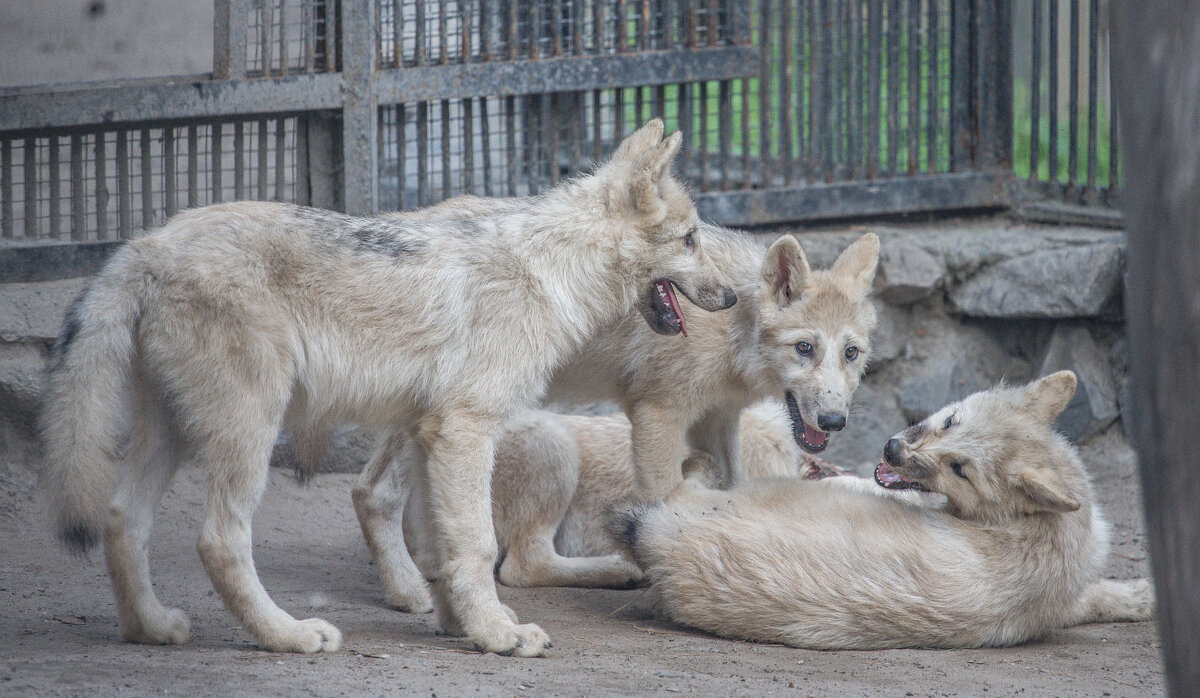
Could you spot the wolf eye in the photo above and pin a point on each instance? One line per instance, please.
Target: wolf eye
(851, 353)
(948, 423)
(689, 240)
(805, 349)
(957, 468)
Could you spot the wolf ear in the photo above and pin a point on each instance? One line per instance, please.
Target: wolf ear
(1044, 490)
(1048, 397)
(648, 172)
(859, 261)
(639, 141)
(785, 272)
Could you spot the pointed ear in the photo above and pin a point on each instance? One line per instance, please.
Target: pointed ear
(1044, 490)
(785, 272)
(859, 261)
(1048, 397)
(648, 172)
(658, 159)
(639, 141)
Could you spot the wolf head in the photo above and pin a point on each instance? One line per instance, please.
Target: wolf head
(814, 332)
(994, 455)
(665, 251)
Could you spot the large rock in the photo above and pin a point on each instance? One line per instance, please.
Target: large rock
(874, 418)
(1094, 405)
(21, 367)
(34, 312)
(1067, 282)
(907, 273)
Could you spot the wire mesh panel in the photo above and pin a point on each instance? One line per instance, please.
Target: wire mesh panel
(1064, 116)
(291, 36)
(86, 185)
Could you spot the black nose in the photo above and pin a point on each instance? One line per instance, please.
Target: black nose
(831, 422)
(730, 298)
(891, 451)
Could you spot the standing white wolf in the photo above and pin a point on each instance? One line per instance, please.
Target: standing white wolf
(1015, 552)
(233, 321)
(797, 335)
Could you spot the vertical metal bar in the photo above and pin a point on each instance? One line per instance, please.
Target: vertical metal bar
(619, 116)
(535, 30)
(170, 186)
(893, 70)
(714, 23)
(1035, 91)
(644, 26)
(485, 28)
(785, 89)
(304, 161)
(101, 176)
(485, 137)
(216, 159)
(422, 154)
(30, 187)
(397, 34)
(124, 187)
(962, 132)
(577, 13)
(78, 212)
(828, 102)
(1073, 102)
(622, 28)
(597, 29)
(852, 19)
(744, 84)
(309, 31)
(55, 189)
(6, 185)
(702, 136)
(262, 160)
(266, 24)
(514, 39)
(764, 93)
(239, 161)
(874, 83)
(360, 109)
(444, 110)
(933, 45)
(556, 40)
(332, 42)
(510, 143)
(597, 134)
(281, 161)
(230, 18)
(912, 92)
(193, 167)
(547, 158)
(147, 179)
(283, 57)
(1113, 150)
(443, 37)
(686, 127)
(1052, 62)
(725, 126)
(464, 14)
(468, 132)
(1093, 46)
(420, 56)
(401, 159)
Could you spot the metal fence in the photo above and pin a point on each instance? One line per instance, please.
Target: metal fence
(791, 110)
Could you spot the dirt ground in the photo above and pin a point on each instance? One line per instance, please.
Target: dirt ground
(58, 626)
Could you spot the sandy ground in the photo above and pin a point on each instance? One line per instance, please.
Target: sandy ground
(58, 627)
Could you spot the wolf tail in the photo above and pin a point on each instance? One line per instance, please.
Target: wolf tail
(85, 401)
(628, 525)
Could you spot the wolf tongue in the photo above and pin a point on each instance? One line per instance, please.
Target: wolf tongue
(814, 437)
(673, 303)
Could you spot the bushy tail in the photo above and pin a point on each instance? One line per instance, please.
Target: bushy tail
(85, 401)
(626, 524)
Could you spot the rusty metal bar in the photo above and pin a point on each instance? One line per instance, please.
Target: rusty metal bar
(55, 188)
(101, 176)
(124, 187)
(443, 37)
(420, 55)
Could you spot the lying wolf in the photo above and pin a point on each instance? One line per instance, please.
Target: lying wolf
(797, 335)
(234, 320)
(1014, 553)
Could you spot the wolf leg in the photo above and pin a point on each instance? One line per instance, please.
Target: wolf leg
(458, 474)
(1109, 601)
(535, 563)
(658, 448)
(380, 496)
(237, 469)
(151, 464)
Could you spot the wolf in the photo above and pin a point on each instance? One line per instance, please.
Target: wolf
(797, 335)
(210, 334)
(1014, 552)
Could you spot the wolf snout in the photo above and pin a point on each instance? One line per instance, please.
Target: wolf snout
(718, 298)
(891, 451)
(831, 422)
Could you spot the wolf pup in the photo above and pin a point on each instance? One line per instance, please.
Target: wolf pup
(231, 321)
(797, 335)
(1015, 552)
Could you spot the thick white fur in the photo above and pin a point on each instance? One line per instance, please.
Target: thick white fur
(234, 320)
(680, 394)
(1015, 552)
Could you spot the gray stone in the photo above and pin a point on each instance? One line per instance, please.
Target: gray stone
(891, 335)
(21, 367)
(907, 273)
(1076, 281)
(943, 383)
(1094, 405)
(34, 311)
(874, 418)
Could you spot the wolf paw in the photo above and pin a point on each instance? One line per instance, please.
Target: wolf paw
(514, 640)
(415, 600)
(167, 626)
(304, 636)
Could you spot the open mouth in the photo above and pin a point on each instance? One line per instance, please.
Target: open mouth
(665, 308)
(886, 477)
(809, 439)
